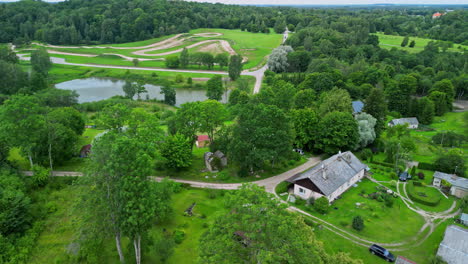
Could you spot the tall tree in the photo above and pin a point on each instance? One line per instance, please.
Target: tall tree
(376, 105)
(177, 151)
(214, 88)
(222, 59)
(405, 41)
(40, 61)
(254, 230)
(169, 94)
(23, 125)
(335, 100)
(399, 95)
(366, 129)
(305, 123)
(184, 58)
(129, 89)
(337, 131)
(235, 67)
(212, 116)
(262, 135)
(186, 121)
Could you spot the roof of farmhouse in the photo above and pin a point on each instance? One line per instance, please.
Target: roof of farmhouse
(333, 172)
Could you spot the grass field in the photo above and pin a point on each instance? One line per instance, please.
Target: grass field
(393, 41)
(254, 46)
(61, 228)
(399, 222)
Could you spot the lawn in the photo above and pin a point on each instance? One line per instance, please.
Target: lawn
(420, 254)
(61, 227)
(399, 222)
(393, 41)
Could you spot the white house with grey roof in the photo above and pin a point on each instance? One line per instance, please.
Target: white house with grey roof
(459, 185)
(412, 122)
(454, 248)
(330, 178)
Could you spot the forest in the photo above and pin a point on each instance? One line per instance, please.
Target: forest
(117, 212)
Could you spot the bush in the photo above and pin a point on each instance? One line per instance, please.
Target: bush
(358, 223)
(366, 154)
(179, 236)
(421, 175)
(322, 205)
(429, 201)
(426, 166)
(164, 246)
(282, 187)
(40, 176)
(311, 201)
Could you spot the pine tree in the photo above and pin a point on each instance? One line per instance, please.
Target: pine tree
(412, 44)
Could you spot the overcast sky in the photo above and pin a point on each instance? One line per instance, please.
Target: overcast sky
(321, 2)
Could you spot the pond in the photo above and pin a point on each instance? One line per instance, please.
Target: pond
(96, 89)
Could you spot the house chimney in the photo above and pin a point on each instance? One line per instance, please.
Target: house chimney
(324, 174)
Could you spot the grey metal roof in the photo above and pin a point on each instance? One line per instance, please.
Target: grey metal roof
(406, 120)
(454, 248)
(357, 106)
(452, 179)
(464, 217)
(337, 170)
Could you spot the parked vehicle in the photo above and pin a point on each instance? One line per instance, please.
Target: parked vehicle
(382, 252)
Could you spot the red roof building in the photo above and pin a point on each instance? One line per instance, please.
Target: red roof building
(202, 141)
(436, 15)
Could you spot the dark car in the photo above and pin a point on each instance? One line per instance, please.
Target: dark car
(382, 252)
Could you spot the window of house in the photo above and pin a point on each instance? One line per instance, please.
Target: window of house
(301, 190)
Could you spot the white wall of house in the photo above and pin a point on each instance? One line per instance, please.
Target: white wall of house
(458, 192)
(346, 186)
(302, 192)
(436, 182)
(305, 193)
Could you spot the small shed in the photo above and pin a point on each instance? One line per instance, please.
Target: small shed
(202, 141)
(357, 107)
(454, 247)
(464, 219)
(412, 122)
(459, 185)
(85, 151)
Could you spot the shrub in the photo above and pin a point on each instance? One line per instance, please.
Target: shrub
(311, 201)
(421, 175)
(40, 176)
(322, 205)
(426, 166)
(282, 187)
(413, 171)
(358, 223)
(179, 236)
(309, 222)
(413, 195)
(179, 78)
(366, 154)
(164, 246)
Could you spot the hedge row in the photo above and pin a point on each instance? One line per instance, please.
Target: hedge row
(429, 201)
(426, 166)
